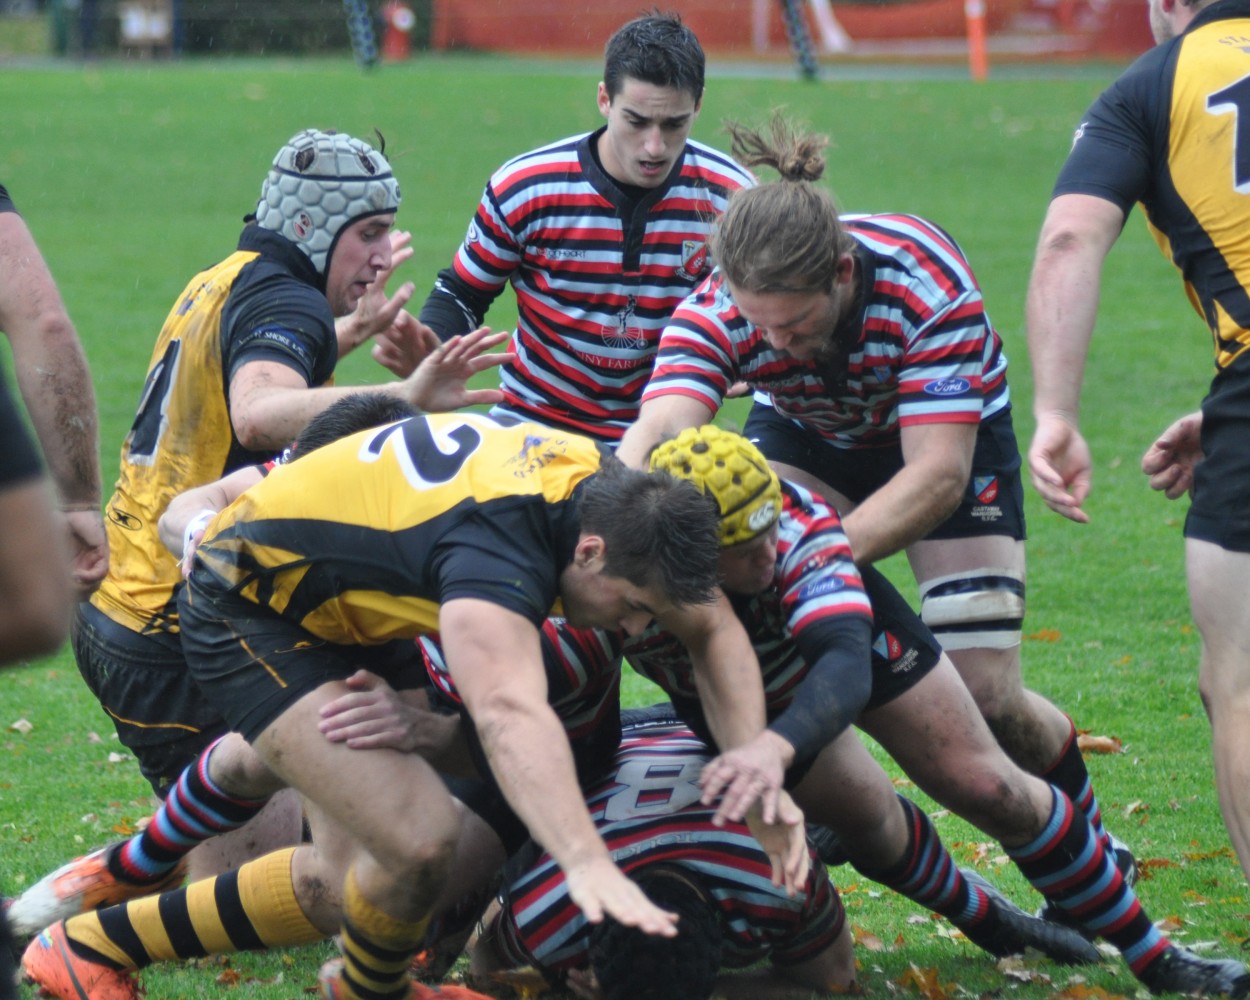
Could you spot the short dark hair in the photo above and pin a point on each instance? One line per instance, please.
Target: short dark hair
(656, 48)
(358, 411)
(656, 529)
(632, 965)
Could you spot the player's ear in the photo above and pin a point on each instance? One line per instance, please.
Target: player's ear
(604, 99)
(590, 550)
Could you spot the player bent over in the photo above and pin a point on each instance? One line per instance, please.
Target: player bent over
(647, 809)
(478, 531)
(789, 571)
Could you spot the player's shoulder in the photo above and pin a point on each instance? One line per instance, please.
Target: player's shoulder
(563, 153)
(718, 165)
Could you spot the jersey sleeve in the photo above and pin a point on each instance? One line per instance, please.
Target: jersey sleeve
(506, 558)
(483, 264)
(817, 575)
(697, 354)
(1112, 149)
(277, 318)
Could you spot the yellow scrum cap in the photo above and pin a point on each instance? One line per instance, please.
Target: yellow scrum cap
(732, 470)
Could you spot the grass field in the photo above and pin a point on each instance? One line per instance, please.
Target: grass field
(134, 176)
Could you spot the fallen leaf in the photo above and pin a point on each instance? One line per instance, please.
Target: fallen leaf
(1099, 744)
(925, 982)
(115, 757)
(1170, 924)
(1045, 635)
(866, 939)
(22, 726)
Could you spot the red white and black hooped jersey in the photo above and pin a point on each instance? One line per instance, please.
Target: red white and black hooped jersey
(583, 668)
(648, 812)
(596, 275)
(927, 352)
(816, 580)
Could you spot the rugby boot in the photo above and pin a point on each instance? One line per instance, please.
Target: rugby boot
(1122, 855)
(82, 885)
(1179, 970)
(334, 987)
(1010, 931)
(50, 964)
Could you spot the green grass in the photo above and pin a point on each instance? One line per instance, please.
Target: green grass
(134, 176)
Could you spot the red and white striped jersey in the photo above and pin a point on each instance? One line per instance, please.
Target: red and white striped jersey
(648, 811)
(596, 271)
(816, 581)
(927, 352)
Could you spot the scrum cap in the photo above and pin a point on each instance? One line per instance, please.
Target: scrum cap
(321, 182)
(732, 471)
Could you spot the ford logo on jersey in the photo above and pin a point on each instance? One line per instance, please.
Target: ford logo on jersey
(818, 588)
(947, 386)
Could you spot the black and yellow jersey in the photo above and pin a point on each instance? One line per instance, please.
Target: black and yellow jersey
(1170, 133)
(263, 302)
(360, 541)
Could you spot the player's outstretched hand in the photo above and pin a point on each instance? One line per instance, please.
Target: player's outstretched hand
(601, 890)
(378, 314)
(746, 775)
(1170, 460)
(785, 843)
(1060, 466)
(439, 383)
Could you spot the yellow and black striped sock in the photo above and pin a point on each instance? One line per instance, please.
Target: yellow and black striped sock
(253, 907)
(377, 948)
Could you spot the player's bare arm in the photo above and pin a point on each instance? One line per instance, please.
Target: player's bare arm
(751, 765)
(1060, 310)
(660, 418)
(495, 659)
(271, 403)
(937, 461)
(193, 504)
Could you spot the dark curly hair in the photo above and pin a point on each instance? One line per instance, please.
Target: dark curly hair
(631, 965)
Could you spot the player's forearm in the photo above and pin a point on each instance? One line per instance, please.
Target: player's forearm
(530, 758)
(727, 675)
(903, 511)
(55, 384)
(1062, 301)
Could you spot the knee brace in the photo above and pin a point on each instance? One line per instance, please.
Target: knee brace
(977, 609)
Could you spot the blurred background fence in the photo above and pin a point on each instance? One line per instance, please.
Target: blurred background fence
(749, 29)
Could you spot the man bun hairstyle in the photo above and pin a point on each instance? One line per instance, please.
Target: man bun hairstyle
(731, 470)
(781, 236)
(631, 965)
(320, 183)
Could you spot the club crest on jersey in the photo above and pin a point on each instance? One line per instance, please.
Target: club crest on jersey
(693, 258)
(986, 488)
(952, 386)
(887, 646)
